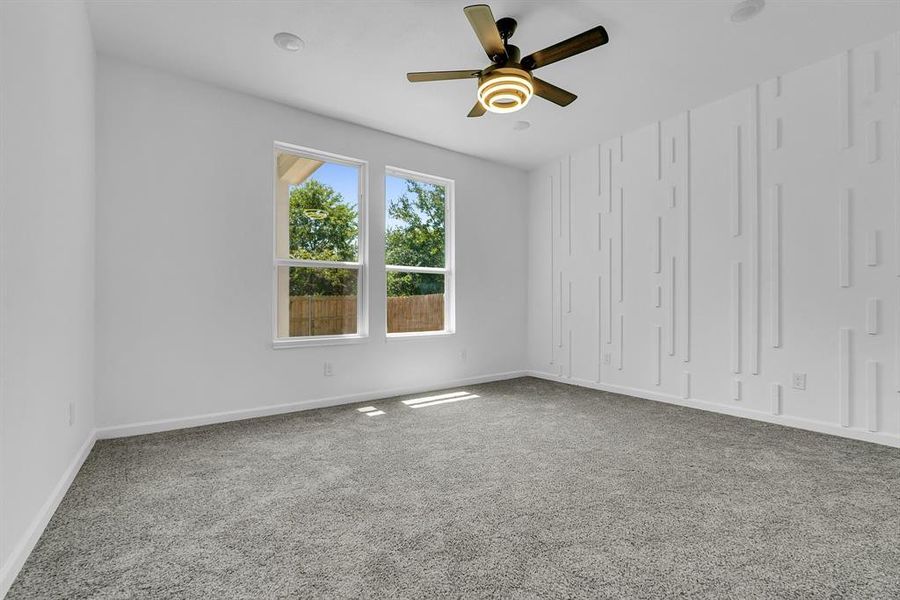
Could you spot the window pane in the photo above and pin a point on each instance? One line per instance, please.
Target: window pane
(415, 302)
(313, 301)
(414, 223)
(317, 209)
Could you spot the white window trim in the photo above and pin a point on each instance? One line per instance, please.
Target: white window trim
(449, 269)
(361, 265)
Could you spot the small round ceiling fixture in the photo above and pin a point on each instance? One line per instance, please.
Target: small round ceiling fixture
(746, 10)
(288, 41)
(521, 125)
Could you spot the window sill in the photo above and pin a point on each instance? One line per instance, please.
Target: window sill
(284, 343)
(417, 335)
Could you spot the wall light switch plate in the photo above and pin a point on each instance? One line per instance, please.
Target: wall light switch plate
(798, 381)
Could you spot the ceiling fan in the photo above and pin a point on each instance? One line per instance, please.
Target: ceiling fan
(507, 84)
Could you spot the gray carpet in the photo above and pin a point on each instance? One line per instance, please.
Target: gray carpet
(532, 490)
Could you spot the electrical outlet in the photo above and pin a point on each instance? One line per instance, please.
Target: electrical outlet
(71, 413)
(329, 369)
(463, 354)
(798, 381)
(607, 358)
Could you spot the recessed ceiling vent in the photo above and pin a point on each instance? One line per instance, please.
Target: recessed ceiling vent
(746, 10)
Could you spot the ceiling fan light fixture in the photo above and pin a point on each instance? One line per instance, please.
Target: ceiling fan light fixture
(505, 90)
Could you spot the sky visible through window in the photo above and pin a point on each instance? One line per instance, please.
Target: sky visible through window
(345, 181)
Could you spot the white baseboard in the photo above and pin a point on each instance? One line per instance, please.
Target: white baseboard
(145, 427)
(734, 411)
(23, 548)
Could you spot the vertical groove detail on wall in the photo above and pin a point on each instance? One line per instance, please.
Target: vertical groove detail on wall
(657, 296)
(609, 178)
(569, 298)
(736, 317)
(873, 141)
(872, 395)
(621, 148)
(872, 73)
(621, 244)
(570, 200)
(754, 177)
(672, 316)
(599, 232)
(775, 135)
(674, 154)
(736, 389)
(559, 202)
(599, 327)
(569, 348)
(736, 183)
(844, 238)
(685, 385)
(561, 314)
(776, 87)
(621, 341)
(775, 254)
(685, 301)
(897, 179)
(872, 249)
(658, 151)
(609, 294)
(844, 100)
(897, 351)
(844, 376)
(553, 332)
(600, 170)
(657, 354)
(672, 196)
(776, 398)
(872, 316)
(657, 245)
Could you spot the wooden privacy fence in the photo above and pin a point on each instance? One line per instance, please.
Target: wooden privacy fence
(415, 313)
(336, 315)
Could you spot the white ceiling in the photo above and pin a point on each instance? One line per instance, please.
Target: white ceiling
(664, 56)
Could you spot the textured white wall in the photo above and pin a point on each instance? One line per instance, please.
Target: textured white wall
(184, 246)
(46, 262)
(711, 255)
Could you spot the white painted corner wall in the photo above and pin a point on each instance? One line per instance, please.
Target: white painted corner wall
(46, 265)
(706, 258)
(184, 260)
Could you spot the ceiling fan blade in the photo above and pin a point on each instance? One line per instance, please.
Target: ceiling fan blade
(477, 110)
(570, 47)
(441, 75)
(482, 20)
(554, 94)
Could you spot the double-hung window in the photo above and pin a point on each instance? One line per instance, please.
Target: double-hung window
(320, 250)
(418, 242)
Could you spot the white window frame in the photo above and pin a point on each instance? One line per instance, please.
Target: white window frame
(361, 265)
(449, 269)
